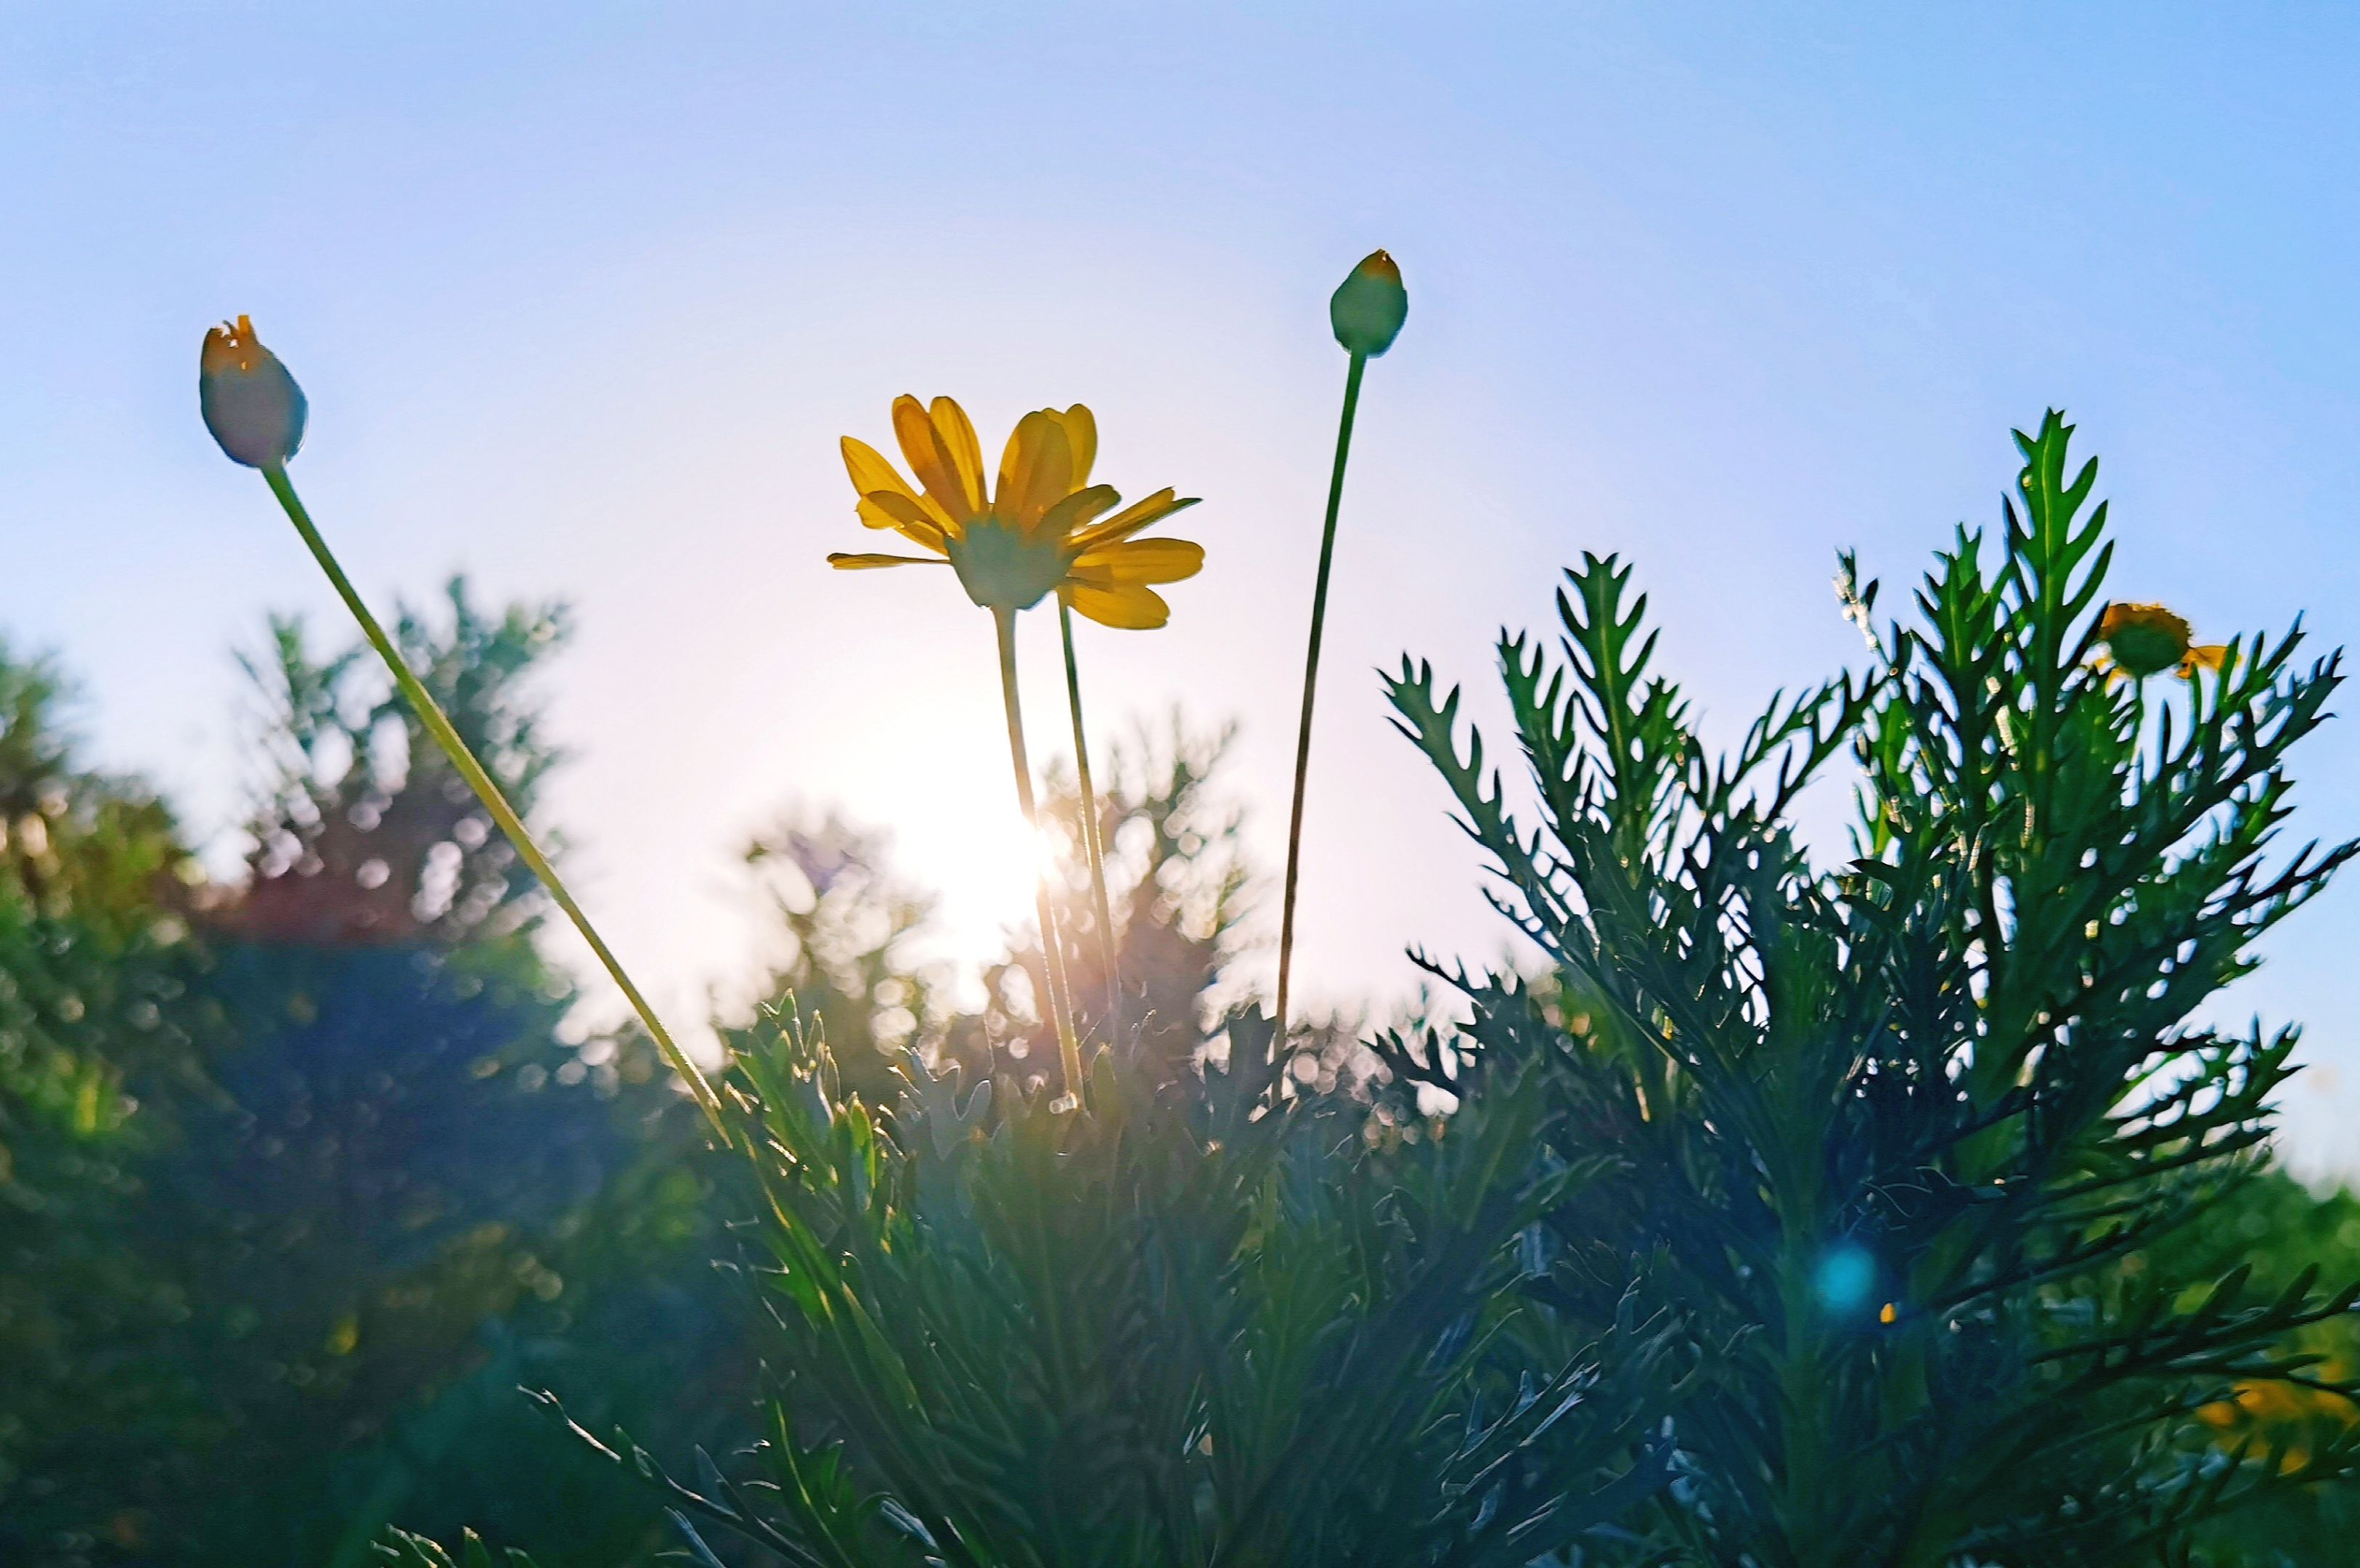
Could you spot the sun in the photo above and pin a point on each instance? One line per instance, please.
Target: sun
(982, 867)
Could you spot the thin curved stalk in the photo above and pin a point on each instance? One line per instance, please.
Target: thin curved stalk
(1311, 689)
(1060, 1005)
(1091, 841)
(430, 713)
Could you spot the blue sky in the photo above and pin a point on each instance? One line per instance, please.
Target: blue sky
(583, 295)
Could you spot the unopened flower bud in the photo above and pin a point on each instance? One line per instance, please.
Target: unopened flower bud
(1367, 310)
(251, 404)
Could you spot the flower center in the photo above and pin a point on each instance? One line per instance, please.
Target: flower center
(1001, 569)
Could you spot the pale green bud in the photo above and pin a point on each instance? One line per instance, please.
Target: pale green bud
(1369, 308)
(251, 403)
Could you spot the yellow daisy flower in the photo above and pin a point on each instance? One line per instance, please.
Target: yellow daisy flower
(1038, 529)
(2146, 639)
(2272, 1414)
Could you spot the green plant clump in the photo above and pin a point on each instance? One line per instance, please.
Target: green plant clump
(1792, 1218)
(1886, 1136)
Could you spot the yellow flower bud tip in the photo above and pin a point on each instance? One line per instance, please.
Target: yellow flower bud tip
(250, 402)
(229, 346)
(1368, 308)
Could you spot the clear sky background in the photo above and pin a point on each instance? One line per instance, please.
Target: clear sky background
(583, 295)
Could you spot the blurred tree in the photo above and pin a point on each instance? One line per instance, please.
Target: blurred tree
(95, 972)
(846, 922)
(366, 833)
(378, 1212)
(852, 929)
(1177, 883)
(364, 1202)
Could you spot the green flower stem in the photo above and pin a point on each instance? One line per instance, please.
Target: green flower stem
(1060, 1005)
(431, 715)
(1311, 689)
(1090, 839)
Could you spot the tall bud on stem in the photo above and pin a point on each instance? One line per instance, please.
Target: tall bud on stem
(256, 411)
(251, 403)
(1366, 313)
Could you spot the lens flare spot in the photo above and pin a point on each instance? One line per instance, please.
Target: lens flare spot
(1844, 1278)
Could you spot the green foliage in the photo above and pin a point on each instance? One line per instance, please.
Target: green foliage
(847, 918)
(1177, 878)
(2280, 1228)
(78, 843)
(294, 1295)
(1895, 1212)
(367, 834)
(848, 921)
(314, 1181)
(400, 1549)
(95, 972)
(1891, 1133)
(93, 900)
(1169, 1329)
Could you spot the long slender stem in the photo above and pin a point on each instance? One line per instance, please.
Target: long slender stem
(1091, 840)
(430, 713)
(1311, 689)
(1060, 1004)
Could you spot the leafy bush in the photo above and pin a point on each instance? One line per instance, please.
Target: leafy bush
(1794, 1217)
(308, 1186)
(311, 1183)
(96, 975)
(1176, 1329)
(1887, 1213)
(1890, 1135)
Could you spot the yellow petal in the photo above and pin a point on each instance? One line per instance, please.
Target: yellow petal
(1130, 607)
(869, 468)
(1081, 439)
(2211, 656)
(922, 447)
(873, 515)
(1013, 460)
(1133, 518)
(956, 436)
(844, 562)
(1140, 561)
(870, 473)
(1075, 510)
(907, 516)
(1036, 471)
